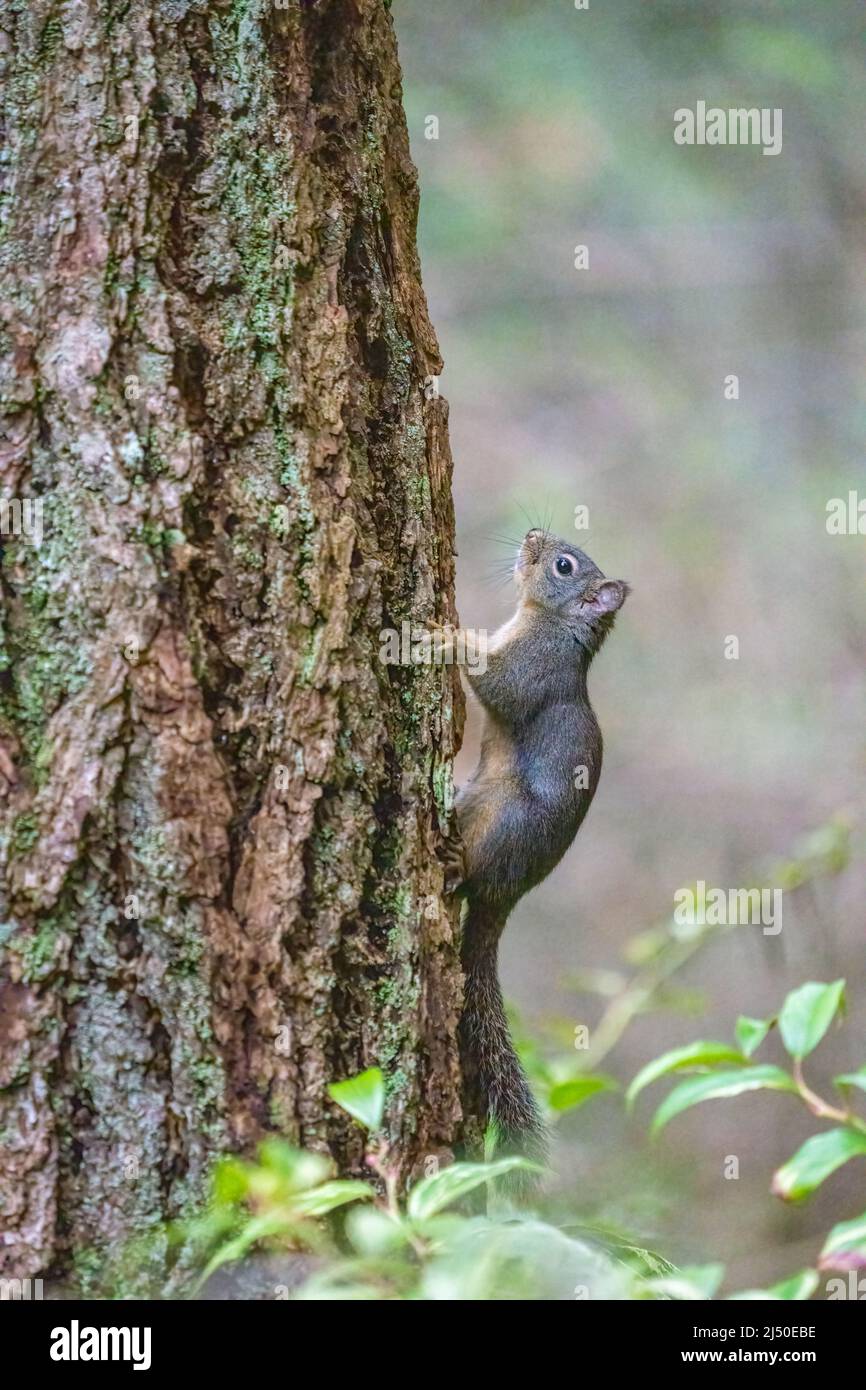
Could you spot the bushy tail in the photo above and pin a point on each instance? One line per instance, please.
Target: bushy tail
(496, 1087)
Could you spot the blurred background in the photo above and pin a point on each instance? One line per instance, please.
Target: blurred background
(605, 388)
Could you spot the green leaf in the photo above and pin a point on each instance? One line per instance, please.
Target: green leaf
(851, 1078)
(331, 1195)
(845, 1246)
(696, 1054)
(433, 1194)
(716, 1085)
(692, 1284)
(269, 1223)
(362, 1097)
(568, 1095)
(230, 1182)
(294, 1170)
(815, 1160)
(751, 1032)
(376, 1232)
(799, 1287)
(707, 1278)
(807, 1014)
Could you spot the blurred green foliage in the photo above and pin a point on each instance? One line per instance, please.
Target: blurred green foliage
(427, 1246)
(424, 1247)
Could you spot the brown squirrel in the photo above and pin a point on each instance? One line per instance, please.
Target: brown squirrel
(537, 774)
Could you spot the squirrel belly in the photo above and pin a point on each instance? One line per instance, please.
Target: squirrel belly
(523, 807)
(539, 767)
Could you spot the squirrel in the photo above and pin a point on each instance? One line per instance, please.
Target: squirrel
(521, 809)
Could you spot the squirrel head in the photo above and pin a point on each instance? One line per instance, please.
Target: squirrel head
(557, 577)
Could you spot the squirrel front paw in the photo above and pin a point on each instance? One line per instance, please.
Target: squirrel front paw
(452, 856)
(440, 637)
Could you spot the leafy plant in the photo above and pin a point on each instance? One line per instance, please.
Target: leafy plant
(361, 1240)
(722, 1070)
(570, 1073)
(418, 1248)
(280, 1198)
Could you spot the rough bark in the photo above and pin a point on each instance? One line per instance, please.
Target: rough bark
(220, 810)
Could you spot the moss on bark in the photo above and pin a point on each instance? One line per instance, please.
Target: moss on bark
(220, 811)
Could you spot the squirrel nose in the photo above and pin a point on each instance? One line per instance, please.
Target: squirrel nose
(530, 550)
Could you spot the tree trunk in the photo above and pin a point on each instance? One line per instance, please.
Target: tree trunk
(220, 809)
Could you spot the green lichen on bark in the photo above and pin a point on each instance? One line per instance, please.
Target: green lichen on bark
(220, 811)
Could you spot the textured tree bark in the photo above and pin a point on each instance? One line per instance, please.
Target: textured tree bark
(220, 809)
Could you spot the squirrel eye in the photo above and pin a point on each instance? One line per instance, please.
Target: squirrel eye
(564, 565)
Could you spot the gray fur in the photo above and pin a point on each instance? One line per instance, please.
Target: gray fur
(521, 809)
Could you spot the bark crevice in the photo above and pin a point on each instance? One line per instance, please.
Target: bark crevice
(220, 811)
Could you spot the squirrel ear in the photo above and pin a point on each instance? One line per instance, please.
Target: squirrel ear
(609, 596)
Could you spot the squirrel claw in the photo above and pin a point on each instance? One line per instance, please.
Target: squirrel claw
(452, 856)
